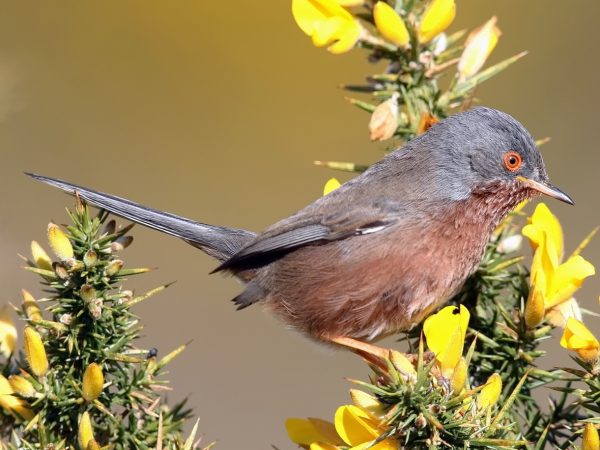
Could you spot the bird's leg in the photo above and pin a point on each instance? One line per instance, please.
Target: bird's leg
(361, 347)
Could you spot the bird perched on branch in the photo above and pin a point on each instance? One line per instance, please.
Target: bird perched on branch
(377, 255)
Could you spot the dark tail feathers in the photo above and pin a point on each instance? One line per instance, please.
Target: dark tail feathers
(220, 242)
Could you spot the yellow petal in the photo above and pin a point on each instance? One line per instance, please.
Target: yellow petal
(478, 47)
(309, 431)
(308, 12)
(578, 338)
(40, 257)
(326, 31)
(567, 278)
(390, 24)
(590, 439)
(445, 333)
(437, 17)
(543, 221)
(534, 308)
(354, 425)
(93, 381)
(331, 185)
(459, 376)
(8, 332)
(366, 402)
(347, 37)
(322, 446)
(349, 3)
(30, 306)
(60, 243)
(490, 393)
(35, 352)
(86, 432)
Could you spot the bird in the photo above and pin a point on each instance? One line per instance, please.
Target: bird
(388, 247)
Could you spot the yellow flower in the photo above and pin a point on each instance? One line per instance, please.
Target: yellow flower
(445, 333)
(349, 3)
(93, 381)
(480, 43)
(358, 429)
(489, 395)
(384, 120)
(331, 185)
(354, 428)
(92, 445)
(59, 242)
(555, 281)
(35, 352)
(578, 338)
(86, 432)
(327, 23)
(590, 439)
(30, 306)
(390, 24)
(544, 226)
(12, 404)
(40, 257)
(8, 332)
(437, 17)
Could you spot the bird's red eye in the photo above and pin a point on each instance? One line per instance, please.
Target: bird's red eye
(512, 161)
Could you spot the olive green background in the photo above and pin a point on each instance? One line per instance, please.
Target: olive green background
(215, 110)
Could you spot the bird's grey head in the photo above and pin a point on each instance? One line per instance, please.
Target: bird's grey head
(482, 147)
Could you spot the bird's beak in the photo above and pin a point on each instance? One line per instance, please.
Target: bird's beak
(546, 189)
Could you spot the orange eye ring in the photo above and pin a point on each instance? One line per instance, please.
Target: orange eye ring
(512, 161)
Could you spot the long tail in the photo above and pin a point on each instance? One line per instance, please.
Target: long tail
(220, 242)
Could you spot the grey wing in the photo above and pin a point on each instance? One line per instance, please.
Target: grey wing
(307, 229)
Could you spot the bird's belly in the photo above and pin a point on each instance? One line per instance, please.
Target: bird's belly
(367, 289)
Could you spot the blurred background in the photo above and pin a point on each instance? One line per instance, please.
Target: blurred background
(215, 110)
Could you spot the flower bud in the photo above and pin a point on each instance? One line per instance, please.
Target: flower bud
(8, 332)
(90, 258)
(113, 267)
(12, 404)
(489, 395)
(86, 432)
(30, 306)
(331, 185)
(61, 271)
(121, 243)
(40, 257)
(437, 17)
(384, 120)
(93, 381)
(60, 243)
(87, 293)
(22, 386)
(590, 440)
(390, 24)
(534, 308)
(480, 43)
(35, 352)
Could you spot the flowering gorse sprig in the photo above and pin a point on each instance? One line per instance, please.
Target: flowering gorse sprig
(81, 381)
(409, 402)
(410, 35)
